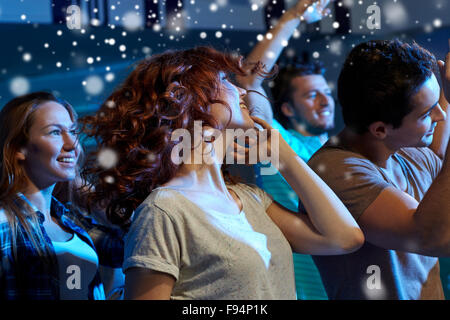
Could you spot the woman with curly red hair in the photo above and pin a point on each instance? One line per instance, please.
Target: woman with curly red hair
(195, 234)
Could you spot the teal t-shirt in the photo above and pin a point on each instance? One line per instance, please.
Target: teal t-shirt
(276, 185)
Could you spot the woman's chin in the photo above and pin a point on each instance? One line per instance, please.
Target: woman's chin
(246, 124)
(249, 123)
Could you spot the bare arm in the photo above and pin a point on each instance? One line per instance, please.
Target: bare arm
(144, 284)
(396, 221)
(328, 228)
(268, 50)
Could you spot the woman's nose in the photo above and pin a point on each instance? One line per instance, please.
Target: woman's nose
(70, 141)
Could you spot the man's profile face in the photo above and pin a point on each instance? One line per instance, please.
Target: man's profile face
(418, 126)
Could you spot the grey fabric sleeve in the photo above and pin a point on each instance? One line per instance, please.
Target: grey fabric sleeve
(430, 160)
(262, 197)
(153, 242)
(355, 180)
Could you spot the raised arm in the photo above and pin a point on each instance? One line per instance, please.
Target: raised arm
(268, 50)
(442, 131)
(328, 228)
(396, 221)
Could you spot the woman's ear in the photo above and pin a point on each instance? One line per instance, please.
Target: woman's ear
(287, 110)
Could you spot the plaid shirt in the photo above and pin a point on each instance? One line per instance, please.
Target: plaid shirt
(108, 241)
(29, 277)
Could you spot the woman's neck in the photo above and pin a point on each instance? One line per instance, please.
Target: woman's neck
(199, 177)
(204, 176)
(40, 198)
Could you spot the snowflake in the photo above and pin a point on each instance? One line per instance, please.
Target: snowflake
(19, 86)
(107, 158)
(146, 50)
(110, 104)
(109, 77)
(259, 3)
(157, 27)
(93, 85)
(321, 168)
(26, 57)
(151, 157)
(396, 14)
(334, 140)
(428, 28)
(348, 3)
(437, 23)
(109, 179)
(213, 7)
(336, 47)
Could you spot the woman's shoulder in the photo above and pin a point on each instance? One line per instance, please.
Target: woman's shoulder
(162, 196)
(164, 200)
(4, 230)
(247, 187)
(252, 192)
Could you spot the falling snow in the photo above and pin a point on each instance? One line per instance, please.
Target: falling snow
(93, 85)
(110, 104)
(107, 158)
(119, 36)
(26, 57)
(109, 179)
(19, 86)
(396, 14)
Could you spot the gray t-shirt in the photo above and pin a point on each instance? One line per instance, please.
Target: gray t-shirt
(212, 255)
(358, 182)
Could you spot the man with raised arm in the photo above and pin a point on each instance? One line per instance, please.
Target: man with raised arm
(391, 167)
(304, 108)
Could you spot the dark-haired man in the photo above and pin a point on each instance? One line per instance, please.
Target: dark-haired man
(303, 102)
(390, 167)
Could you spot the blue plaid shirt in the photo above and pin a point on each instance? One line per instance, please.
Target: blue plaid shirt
(108, 241)
(29, 277)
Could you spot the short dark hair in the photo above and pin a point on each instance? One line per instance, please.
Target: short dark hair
(378, 80)
(282, 89)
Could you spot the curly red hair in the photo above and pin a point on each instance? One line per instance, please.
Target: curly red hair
(165, 92)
